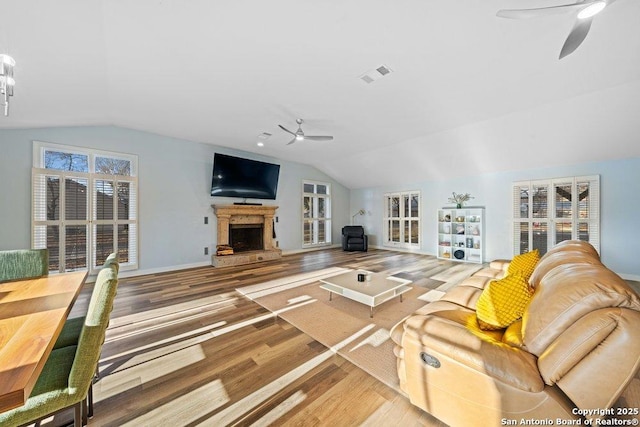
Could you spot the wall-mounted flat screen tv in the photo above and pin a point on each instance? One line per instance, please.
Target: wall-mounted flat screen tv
(244, 178)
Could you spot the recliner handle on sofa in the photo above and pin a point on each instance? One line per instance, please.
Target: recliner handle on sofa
(430, 360)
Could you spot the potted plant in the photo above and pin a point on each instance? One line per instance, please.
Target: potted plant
(459, 199)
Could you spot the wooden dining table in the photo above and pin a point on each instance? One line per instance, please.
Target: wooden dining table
(32, 314)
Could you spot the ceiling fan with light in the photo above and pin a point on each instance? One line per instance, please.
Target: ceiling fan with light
(300, 136)
(585, 10)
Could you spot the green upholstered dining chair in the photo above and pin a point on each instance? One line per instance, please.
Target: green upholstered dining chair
(68, 374)
(69, 336)
(23, 264)
(70, 333)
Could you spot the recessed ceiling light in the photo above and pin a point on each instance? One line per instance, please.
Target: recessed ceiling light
(262, 137)
(591, 10)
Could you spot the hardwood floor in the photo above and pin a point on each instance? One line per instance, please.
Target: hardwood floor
(184, 349)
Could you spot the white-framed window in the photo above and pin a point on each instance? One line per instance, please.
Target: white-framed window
(316, 213)
(547, 212)
(84, 206)
(402, 219)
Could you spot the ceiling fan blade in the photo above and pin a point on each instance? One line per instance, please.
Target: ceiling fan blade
(318, 138)
(292, 141)
(287, 130)
(576, 36)
(539, 12)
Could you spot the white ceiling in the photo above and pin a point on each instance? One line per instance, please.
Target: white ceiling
(470, 93)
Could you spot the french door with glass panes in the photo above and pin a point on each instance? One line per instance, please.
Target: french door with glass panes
(402, 219)
(548, 212)
(82, 216)
(316, 213)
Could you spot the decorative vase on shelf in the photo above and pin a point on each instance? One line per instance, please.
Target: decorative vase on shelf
(459, 199)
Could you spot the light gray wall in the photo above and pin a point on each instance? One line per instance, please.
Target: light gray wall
(619, 206)
(175, 176)
(174, 187)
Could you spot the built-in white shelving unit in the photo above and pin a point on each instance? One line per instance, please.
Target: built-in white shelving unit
(461, 234)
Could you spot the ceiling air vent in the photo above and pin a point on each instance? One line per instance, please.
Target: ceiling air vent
(367, 79)
(383, 69)
(375, 74)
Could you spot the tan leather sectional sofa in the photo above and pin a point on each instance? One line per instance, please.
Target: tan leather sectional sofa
(575, 349)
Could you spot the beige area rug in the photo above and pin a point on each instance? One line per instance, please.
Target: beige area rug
(345, 326)
(342, 325)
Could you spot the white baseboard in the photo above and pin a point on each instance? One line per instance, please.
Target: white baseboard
(286, 252)
(163, 269)
(410, 251)
(134, 273)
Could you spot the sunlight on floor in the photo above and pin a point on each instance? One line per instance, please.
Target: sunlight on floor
(375, 340)
(181, 341)
(243, 406)
(431, 296)
(278, 285)
(298, 299)
(122, 381)
(186, 408)
(272, 416)
(158, 325)
(352, 338)
(294, 306)
(207, 304)
(253, 400)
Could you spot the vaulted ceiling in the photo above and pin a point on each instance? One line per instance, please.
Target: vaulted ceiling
(469, 92)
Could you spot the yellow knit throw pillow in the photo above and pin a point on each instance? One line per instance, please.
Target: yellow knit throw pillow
(525, 263)
(503, 301)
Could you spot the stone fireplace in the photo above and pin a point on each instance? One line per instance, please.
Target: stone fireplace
(249, 230)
